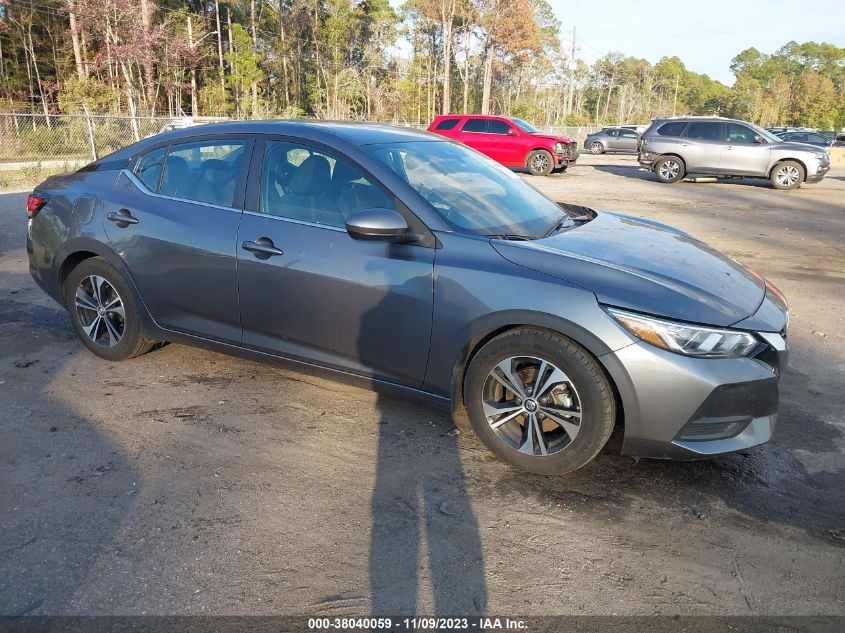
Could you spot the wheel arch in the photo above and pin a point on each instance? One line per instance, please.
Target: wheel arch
(780, 161)
(536, 149)
(76, 251)
(482, 334)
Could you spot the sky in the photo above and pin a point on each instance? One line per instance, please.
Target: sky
(706, 35)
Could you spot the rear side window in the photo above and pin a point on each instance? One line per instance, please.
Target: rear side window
(204, 171)
(148, 168)
(447, 124)
(498, 127)
(704, 131)
(673, 128)
(475, 125)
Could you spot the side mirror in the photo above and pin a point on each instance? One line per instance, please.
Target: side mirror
(512, 132)
(377, 224)
(759, 139)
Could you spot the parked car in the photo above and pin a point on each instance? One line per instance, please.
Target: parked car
(414, 265)
(509, 141)
(810, 138)
(612, 139)
(677, 147)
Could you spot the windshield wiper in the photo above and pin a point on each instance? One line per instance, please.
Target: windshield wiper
(508, 236)
(565, 221)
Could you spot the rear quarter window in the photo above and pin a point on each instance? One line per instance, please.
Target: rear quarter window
(148, 168)
(673, 128)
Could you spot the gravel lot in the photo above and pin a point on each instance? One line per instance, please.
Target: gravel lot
(190, 482)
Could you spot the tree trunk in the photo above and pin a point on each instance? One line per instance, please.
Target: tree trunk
(194, 105)
(488, 79)
(74, 37)
(219, 43)
(447, 17)
(255, 50)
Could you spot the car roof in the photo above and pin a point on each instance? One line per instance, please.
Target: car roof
(352, 132)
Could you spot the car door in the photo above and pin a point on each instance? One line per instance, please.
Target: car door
(474, 133)
(741, 155)
(316, 294)
(627, 140)
(505, 143)
(611, 138)
(173, 220)
(701, 146)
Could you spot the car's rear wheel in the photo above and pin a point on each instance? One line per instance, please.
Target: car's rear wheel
(669, 169)
(787, 175)
(103, 311)
(540, 162)
(539, 401)
(596, 148)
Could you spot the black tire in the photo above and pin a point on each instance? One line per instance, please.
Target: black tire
(115, 337)
(596, 148)
(787, 175)
(669, 169)
(593, 398)
(540, 162)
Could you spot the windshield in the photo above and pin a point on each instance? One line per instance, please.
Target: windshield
(473, 193)
(525, 126)
(765, 133)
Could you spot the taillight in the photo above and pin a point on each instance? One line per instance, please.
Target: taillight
(34, 203)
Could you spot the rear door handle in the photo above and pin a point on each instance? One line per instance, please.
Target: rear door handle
(122, 218)
(262, 248)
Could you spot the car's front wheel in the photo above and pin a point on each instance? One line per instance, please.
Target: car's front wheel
(596, 148)
(787, 175)
(540, 162)
(669, 169)
(539, 401)
(103, 311)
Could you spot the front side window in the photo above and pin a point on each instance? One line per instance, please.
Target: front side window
(704, 131)
(203, 171)
(673, 128)
(471, 192)
(736, 133)
(525, 126)
(498, 127)
(148, 168)
(447, 124)
(475, 125)
(303, 183)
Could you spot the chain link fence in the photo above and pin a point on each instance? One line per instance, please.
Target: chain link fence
(34, 146)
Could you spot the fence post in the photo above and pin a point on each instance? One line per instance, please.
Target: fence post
(90, 133)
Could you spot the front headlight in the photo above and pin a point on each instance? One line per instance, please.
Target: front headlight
(820, 155)
(558, 148)
(682, 338)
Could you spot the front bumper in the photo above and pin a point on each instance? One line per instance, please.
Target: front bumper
(820, 173)
(678, 407)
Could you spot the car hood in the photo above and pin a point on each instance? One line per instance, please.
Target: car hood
(644, 266)
(796, 147)
(553, 137)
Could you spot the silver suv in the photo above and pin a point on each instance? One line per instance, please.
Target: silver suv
(677, 147)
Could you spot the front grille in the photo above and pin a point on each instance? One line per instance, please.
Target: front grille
(571, 149)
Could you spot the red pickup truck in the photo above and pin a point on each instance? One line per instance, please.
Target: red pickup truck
(510, 141)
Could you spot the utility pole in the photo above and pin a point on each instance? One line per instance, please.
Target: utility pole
(569, 94)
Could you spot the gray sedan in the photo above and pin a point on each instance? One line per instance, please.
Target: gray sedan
(414, 265)
(612, 139)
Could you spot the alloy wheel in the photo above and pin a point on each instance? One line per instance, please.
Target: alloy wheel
(100, 311)
(540, 162)
(596, 148)
(788, 175)
(669, 169)
(531, 405)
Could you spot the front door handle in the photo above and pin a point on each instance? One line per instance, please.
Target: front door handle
(122, 218)
(262, 248)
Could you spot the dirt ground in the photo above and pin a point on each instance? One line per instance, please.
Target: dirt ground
(187, 482)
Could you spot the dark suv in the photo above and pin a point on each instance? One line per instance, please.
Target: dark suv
(675, 148)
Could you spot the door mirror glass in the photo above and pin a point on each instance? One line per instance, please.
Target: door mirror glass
(759, 139)
(377, 224)
(512, 132)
